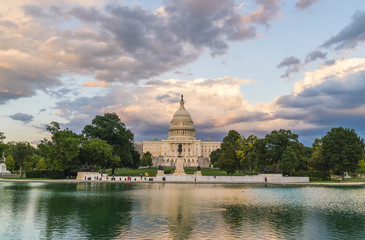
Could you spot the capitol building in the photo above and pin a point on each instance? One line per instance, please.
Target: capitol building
(194, 152)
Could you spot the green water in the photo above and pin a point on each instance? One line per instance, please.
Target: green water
(179, 211)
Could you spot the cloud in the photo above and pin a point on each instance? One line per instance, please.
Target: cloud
(293, 65)
(141, 107)
(95, 84)
(26, 118)
(314, 56)
(351, 35)
(338, 70)
(330, 96)
(8, 24)
(304, 4)
(115, 42)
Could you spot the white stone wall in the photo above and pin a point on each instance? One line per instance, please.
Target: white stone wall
(233, 179)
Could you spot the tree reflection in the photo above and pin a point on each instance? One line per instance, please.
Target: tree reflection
(89, 210)
(264, 221)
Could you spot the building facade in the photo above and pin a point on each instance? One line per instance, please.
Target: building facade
(194, 152)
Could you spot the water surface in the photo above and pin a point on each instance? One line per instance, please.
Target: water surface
(179, 211)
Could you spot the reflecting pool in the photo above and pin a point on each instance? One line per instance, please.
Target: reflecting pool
(179, 211)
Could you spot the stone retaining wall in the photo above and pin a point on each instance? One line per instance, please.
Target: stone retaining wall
(232, 179)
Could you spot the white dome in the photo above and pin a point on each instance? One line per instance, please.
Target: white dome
(181, 125)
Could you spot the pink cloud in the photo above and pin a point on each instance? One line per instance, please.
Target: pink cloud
(95, 84)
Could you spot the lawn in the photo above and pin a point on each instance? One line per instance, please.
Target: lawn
(17, 177)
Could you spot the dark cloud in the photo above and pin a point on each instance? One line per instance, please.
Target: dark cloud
(334, 102)
(293, 65)
(8, 24)
(304, 4)
(122, 43)
(34, 11)
(60, 93)
(289, 61)
(171, 97)
(5, 96)
(26, 118)
(330, 62)
(155, 82)
(314, 56)
(22, 82)
(351, 35)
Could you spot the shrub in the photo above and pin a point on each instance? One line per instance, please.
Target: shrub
(313, 175)
(46, 174)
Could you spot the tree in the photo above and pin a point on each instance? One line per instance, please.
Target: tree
(277, 142)
(146, 159)
(214, 156)
(343, 149)
(228, 160)
(21, 152)
(97, 152)
(317, 161)
(259, 156)
(63, 148)
(10, 164)
(361, 167)
(41, 165)
(111, 129)
(245, 146)
(32, 162)
(292, 158)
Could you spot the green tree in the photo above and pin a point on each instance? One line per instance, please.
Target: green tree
(343, 149)
(111, 129)
(361, 167)
(97, 152)
(214, 156)
(228, 160)
(10, 164)
(146, 159)
(62, 149)
(32, 162)
(277, 142)
(292, 158)
(245, 146)
(259, 156)
(317, 161)
(21, 153)
(41, 165)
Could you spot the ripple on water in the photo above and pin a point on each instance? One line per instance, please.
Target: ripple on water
(179, 211)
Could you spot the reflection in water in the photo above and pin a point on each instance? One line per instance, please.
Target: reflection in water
(179, 211)
(67, 211)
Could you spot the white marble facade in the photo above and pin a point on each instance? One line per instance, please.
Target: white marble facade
(194, 152)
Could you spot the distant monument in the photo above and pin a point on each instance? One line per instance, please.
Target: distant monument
(3, 169)
(179, 171)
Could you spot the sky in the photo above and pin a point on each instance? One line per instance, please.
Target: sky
(251, 66)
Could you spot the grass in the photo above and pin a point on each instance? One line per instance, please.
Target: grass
(339, 180)
(18, 178)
